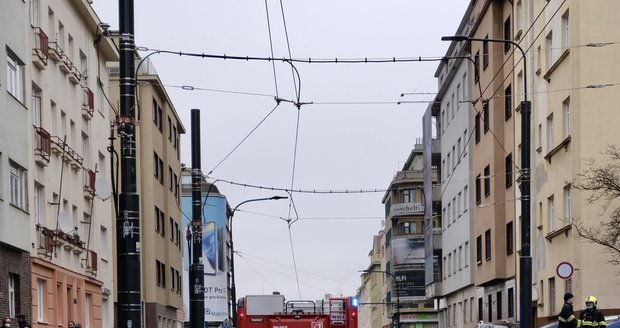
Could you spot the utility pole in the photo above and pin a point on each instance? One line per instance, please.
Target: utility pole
(196, 270)
(128, 219)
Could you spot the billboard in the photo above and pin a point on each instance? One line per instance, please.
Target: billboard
(214, 259)
(408, 262)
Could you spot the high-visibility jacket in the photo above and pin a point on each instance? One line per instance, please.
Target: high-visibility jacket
(567, 318)
(592, 318)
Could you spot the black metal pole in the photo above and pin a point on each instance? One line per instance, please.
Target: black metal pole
(196, 271)
(128, 218)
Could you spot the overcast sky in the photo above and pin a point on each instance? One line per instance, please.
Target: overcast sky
(339, 147)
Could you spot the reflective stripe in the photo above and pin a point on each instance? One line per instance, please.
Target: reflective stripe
(587, 323)
(562, 319)
(602, 323)
(571, 318)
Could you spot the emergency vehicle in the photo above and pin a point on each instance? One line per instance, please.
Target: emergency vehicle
(272, 311)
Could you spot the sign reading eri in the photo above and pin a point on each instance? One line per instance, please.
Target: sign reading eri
(406, 209)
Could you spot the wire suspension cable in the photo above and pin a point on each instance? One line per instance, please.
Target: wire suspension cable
(244, 138)
(288, 46)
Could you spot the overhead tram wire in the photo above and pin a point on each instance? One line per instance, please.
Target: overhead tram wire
(306, 191)
(273, 63)
(288, 46)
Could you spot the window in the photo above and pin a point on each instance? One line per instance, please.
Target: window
(157, 115)
(479, 249)
(34, 13)
(454, 105)
(408, 196)
(477, 67)
(466, 254)
(568, 205)
(443, 121)
(478, 191)
(519, 19)
(87, 303)
(465, 311)
(14, 75)
(158, 168)
(448, 166)
(549, 45)
(508, 102)
(465, 195)
(169, 128)
(458, 203)
(173, 279)
(498, 302)
(36, 105)
(509, 171)
(159, 221)
(83, 68)
(485, 54)
(566, 115)
(38, 201)
(40, 300)
(511, 302)
(480, 309)
(460, 258)
(477, 127)
(565, 31)
(465, 142)
(458, 96)
(509, 238)
(552, 296)
(161, 273)
(487, 181)
(490, 307)
(550, 142)
(86, 149)
(551, 213)
(18, 185)
(485, 116)
(507, 36)
(454, 159)
(487, 244)
(170, 179)
(172, 232)
(175, 137)
(443, 170)
(13, 295)
(445, 268)
(458, 147)
(450, 264)
(176, 228)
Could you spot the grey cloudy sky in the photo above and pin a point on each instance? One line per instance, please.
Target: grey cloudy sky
(339, 146)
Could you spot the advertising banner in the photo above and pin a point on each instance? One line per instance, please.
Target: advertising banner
(408, 262)
(214, 258)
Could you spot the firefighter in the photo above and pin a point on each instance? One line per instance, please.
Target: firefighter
(567, 317)
(591, 316)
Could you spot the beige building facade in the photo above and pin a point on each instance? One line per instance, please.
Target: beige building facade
(572, 122)
(158, 177)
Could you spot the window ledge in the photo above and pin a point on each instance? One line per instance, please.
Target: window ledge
(558, 232)
(557, 148)
(555, 65)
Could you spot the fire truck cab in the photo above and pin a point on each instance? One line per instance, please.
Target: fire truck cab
(272, 311)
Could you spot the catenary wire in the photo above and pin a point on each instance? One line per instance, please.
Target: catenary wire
(273, 63)
(288, 46)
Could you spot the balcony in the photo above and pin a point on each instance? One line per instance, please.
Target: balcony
(43, 145)
(437, 238)
(46, 242)
(65, 64)
(40, 52)
(89, 183)
(413, 176)
(69, 155)
(434, 290)
(88, 103)
(70, 241)
(55, 52)
(91, 263)
(74, 74)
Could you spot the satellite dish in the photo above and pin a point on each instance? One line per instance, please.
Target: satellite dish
(65, 222)
(102, 188)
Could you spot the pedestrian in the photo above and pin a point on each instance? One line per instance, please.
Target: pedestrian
(22, 323)
(71, 324)
(591, 316)
(567, 317)
(6, 323)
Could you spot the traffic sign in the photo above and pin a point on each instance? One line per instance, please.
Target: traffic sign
(564, 270)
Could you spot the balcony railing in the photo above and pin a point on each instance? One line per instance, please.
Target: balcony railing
(46, 241)
(41, 47)
(69, 155)
(75, 76)
(415, 175)
(88, 103)
(89, 183)
(43, 145)
(55, 51)
(91, 262)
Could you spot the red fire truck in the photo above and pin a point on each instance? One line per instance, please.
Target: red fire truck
(272, 311)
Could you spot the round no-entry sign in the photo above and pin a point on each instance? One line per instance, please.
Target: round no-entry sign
(564, 270)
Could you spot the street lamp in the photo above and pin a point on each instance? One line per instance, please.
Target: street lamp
(232, 252)
(397, 313)
(525, 258)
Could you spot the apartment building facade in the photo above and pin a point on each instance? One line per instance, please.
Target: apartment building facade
(571, 88)
(452, 110)
(158, 180)
(371, 290)
(60, 127)
(404, 241)
(493, 203)
(15, 185)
